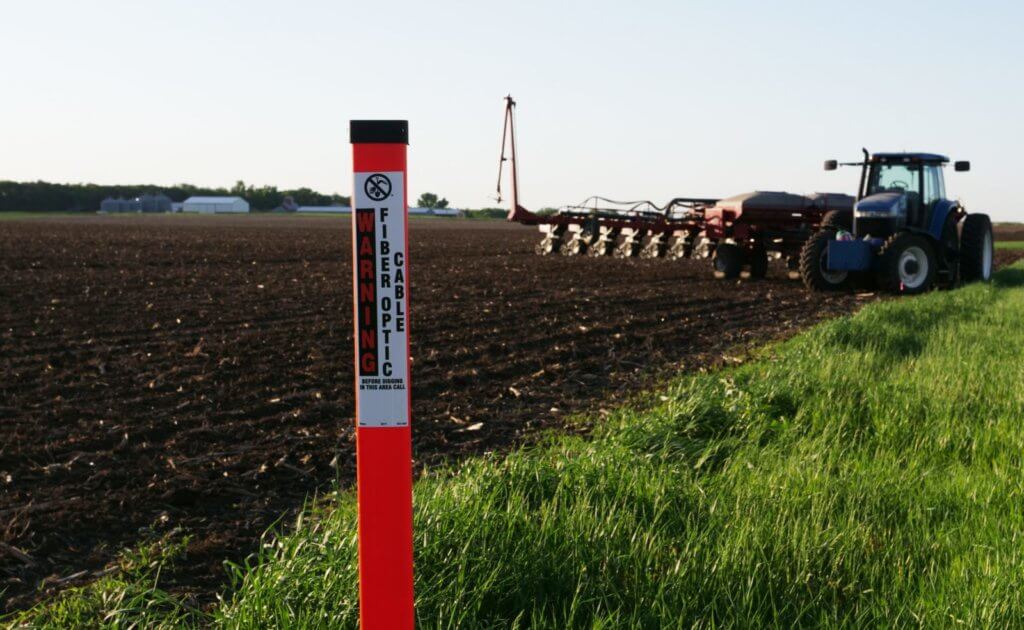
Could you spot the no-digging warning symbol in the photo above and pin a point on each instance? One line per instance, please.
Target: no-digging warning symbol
(377, 187)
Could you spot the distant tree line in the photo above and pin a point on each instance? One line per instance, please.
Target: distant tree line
(269, 197)
(487, 213)
(49, 197)
(430, 200)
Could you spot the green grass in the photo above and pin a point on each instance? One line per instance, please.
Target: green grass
(867, 472)
(128, 597)
(1009, 244)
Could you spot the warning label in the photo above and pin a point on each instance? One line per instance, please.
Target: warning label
(381, 300)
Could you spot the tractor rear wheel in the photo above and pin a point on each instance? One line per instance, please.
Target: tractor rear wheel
(728, 261)
(814, 264)
(838, 220)
(976, 245)
(758, 258)
(908, 264)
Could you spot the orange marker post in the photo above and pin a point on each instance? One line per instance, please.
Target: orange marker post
(380, 269)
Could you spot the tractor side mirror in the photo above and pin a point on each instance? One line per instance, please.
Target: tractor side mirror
(960, 167)
(831, 165)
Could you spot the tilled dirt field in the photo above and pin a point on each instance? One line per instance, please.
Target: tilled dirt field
(1009, 232)
(195, 373)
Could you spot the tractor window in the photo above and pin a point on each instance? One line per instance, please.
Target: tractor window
(934, 188)
(893, 178)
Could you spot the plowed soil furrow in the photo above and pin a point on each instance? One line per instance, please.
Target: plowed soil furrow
(119, 421)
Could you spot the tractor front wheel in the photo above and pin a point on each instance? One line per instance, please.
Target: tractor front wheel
(728, 261)
(814, 264)
(976, 248)
(908, 264)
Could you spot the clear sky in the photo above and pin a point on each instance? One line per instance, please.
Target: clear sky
(623, 99)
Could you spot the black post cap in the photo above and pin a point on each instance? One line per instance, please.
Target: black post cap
(379, 131)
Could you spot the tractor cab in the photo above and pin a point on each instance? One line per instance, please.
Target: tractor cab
(903, 231)
(900, 191)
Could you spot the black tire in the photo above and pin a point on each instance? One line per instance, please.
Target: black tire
(838, 220)
(813, 271)
(976, 248)
(728, 261)
(758, 258)
(908, 264)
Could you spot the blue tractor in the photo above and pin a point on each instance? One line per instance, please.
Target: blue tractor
(902, 233)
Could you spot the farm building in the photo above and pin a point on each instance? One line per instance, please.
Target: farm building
(153, 203)
(115, 205)
(215, 205)
(437, 212)
(142, 203)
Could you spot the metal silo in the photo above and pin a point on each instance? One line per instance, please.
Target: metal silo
(162, 203)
